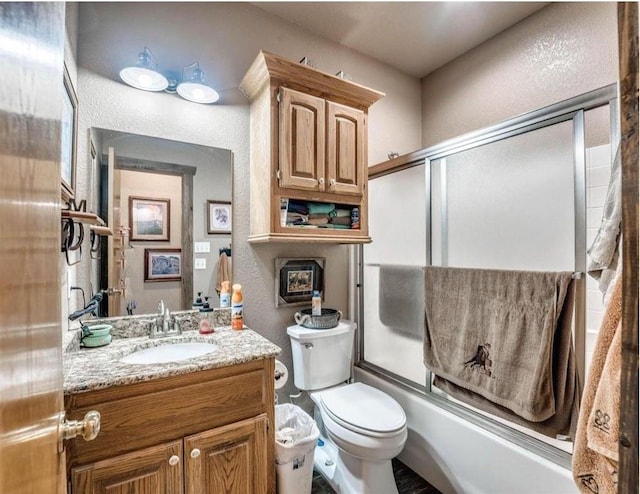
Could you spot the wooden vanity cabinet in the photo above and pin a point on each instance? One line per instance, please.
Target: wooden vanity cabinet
(199, 433)
(309, 143)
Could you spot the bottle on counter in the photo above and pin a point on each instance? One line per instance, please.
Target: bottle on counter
(236, 308)
(225, 294)
(205, 326)
(316, 303)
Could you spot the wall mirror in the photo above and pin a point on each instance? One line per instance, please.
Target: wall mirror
(154, 194)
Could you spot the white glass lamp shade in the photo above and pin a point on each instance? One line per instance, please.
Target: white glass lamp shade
(143, 75)
(198, 93)
(144, 78)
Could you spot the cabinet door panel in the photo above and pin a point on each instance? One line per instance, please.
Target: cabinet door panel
(345, 151)
(148, 471)
(302, 138)
(228, 460)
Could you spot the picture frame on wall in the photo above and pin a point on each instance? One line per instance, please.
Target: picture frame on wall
(149, 219)
(68, 138)
(297, 279)
(219, 217)
(162, 265)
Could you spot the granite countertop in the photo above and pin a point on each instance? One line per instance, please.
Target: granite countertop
(88, 369)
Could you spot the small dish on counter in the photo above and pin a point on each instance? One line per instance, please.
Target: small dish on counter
(96, 335)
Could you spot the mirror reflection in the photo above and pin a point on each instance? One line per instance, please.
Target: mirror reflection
(156, 196)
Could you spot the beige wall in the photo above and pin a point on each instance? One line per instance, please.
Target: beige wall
(564, 50)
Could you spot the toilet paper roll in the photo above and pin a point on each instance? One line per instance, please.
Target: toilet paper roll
(281, 375)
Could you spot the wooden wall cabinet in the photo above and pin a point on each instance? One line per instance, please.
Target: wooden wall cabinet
(308, 142)
(203, 432)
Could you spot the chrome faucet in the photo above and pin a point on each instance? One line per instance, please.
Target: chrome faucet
(164, 325)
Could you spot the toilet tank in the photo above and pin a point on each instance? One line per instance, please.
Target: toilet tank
(321, 357)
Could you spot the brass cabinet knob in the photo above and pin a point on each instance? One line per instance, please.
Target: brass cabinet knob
(174, 460)
(88, 428)
(195, 453)
(332, 183)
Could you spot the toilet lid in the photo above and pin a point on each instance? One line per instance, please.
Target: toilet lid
(364, 408)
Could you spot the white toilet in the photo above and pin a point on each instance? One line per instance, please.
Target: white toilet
(362, 427)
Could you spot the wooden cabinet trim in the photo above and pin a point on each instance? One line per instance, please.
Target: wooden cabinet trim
(268, 66)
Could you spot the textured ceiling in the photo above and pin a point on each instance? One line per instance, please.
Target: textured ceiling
(414, 37)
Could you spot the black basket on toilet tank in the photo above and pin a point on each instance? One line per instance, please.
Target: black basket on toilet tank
(328, 318)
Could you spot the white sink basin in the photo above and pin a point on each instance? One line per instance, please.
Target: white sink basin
(162, 354)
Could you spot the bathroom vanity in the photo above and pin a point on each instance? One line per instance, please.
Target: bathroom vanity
(201, 425)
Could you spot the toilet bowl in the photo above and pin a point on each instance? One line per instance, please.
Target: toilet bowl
(362, 427)
(363, 421)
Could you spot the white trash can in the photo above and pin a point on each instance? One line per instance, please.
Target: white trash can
(296, 437)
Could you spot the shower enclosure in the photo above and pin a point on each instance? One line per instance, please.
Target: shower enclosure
(526, 194)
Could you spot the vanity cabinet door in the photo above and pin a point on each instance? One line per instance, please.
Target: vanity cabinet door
(346, 149)
(228, 460)
(302, 140)
(149, 471)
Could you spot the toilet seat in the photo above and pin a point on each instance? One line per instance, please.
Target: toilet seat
(363, 409)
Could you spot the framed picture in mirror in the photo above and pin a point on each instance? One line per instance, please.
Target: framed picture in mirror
(162, 265)
(219, 217)
(68, 138)
(149, 219)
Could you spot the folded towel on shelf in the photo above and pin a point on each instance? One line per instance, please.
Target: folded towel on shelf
(340, 213)
(297, 207)
(341, 220)
(604, 251)
(501, 341)
(322, 220)
(595, 452)
(320, 207)
(296, 218)
(316, 216)
(398, 311)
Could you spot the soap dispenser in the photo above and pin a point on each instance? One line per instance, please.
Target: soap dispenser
(205, 325)
(198, 303)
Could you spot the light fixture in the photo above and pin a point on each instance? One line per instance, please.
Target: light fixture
(144, 75)
(193, 88)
